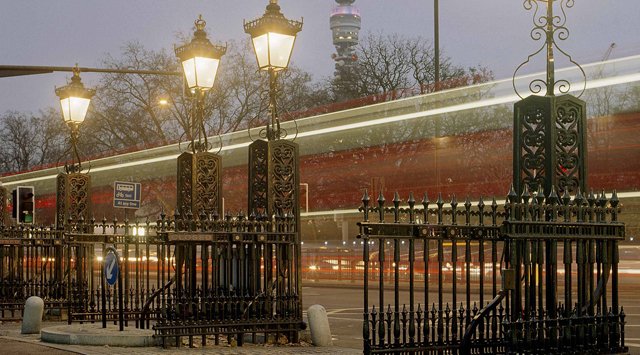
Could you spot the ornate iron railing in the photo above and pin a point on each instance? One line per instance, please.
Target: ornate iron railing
(516, 257)
(188, 276)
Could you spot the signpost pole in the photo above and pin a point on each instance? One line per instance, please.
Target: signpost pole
(111, 266)
(120, 305)
(102, 287)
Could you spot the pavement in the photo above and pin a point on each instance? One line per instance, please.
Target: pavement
(14, 343)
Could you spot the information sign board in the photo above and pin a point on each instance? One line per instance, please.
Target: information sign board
(126, 194)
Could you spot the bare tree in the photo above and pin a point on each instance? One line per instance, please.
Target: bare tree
(126, 112)
(388, 64)
(30, 140)
(383, 63)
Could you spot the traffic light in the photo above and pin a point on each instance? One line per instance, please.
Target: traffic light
(23, 204)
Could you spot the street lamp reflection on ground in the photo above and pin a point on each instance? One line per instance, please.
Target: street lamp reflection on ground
(273, 37)
(198, 181)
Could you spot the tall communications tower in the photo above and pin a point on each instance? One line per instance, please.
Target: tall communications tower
(345, 26)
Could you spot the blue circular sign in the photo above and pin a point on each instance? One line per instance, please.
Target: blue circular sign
(111, 268)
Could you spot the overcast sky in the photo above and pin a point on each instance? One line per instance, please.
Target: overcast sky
(493, 33)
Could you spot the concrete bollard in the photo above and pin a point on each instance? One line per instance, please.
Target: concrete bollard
(319, 326)
(32, 318)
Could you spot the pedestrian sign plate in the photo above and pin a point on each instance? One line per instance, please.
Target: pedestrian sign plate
(126, 194)
(111, 268)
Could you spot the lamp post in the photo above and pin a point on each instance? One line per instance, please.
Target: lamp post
(273, 37)
(198, 183)
(199, 190)
(73, 188)
(274, 178)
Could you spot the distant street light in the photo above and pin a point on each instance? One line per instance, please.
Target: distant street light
(74, 104)
(273, 37)
(200, 60)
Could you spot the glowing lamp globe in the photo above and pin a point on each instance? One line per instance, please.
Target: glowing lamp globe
(74, 100)
(200, 59)
(273, 37)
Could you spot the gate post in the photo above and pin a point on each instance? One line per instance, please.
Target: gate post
(199, 189)
(549, 135)
(274, 190)
(73, 201)
(199, 183)
(73, 197)
(549, 141)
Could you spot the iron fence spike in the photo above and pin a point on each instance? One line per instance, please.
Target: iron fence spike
(566, 198)
(578, 199)
(553, 196)
(614, 201)
(511, 195)
(396, 199)
(591, 199)
(425, 200)
(365, 197)
(411, 201)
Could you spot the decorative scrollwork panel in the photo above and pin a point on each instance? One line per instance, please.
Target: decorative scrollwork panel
(570, 125)
(61, 198)
(284, 177)
(73, 197)
(185, 183)
(550, 144)
(199, 183)
(258, 177)
(207, 193)
(530, 144)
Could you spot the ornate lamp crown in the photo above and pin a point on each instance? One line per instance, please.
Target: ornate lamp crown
(75, 88)
(272, 21)
(552, 29)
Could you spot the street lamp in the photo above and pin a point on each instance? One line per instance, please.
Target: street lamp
(198, 180)
(200, 60)
(273, 37)
(74, 104)
(73, 189)
(274, 164)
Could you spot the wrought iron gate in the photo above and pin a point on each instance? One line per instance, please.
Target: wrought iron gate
(489, 279)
